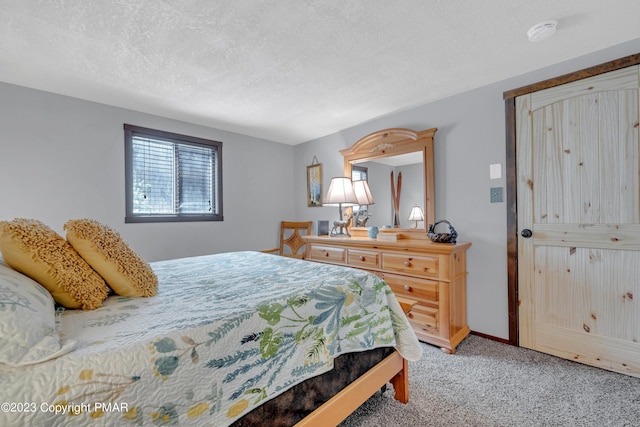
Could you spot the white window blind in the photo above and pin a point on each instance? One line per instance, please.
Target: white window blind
(359, 173)
(172, 178)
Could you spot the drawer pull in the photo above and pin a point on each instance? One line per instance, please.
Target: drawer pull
(326, 253)
(407, 264)
(361, 258)
(407, 288)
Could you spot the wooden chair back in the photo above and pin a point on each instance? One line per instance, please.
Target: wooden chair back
(291, 243)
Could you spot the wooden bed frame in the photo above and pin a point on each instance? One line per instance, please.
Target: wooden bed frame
(394, 369)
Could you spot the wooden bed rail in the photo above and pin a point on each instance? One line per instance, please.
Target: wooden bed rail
(394, 369)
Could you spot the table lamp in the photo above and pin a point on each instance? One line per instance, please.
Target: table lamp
(340, 193)
(416, 215)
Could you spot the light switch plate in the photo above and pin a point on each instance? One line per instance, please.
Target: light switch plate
(496, 195)
(495, 171)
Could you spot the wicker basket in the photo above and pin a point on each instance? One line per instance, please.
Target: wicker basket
(449, 237)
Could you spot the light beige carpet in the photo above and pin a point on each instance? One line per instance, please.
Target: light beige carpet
(487, 383)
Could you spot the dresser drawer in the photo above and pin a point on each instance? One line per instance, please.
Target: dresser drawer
(365, 259)
(419, 289)
(414, 264)
(425, 318)
(328, 253)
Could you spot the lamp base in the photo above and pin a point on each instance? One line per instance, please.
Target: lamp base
(339, 229)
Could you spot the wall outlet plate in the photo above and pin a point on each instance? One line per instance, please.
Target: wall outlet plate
(496, 195)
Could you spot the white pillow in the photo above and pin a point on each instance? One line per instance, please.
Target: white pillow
(27, 321)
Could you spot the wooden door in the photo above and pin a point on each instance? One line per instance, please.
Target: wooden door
(579, 195)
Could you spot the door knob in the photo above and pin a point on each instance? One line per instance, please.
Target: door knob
(526, 233)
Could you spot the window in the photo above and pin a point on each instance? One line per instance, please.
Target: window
(171, 177)
(359, 173)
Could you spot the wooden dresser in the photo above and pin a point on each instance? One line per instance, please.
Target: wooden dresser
(433, 274)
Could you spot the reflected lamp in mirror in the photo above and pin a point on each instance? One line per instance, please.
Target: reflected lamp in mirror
(340, 193)
(364, 197)
(416, 215)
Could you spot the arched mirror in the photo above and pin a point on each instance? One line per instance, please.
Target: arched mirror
(385, 156)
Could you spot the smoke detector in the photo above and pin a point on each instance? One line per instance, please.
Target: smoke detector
(542, 31)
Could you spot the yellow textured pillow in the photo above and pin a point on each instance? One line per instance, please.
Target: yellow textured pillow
(103, 248)
(37, 251)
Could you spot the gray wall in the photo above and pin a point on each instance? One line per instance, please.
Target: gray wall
(63, 158)
(470, 137)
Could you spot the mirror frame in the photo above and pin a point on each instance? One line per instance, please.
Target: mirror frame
(394, 141)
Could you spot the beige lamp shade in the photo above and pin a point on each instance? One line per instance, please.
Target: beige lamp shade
(363, 194)
(340, 192)
(416, 215)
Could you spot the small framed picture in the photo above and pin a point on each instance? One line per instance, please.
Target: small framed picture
(314, 185)
(323, 228)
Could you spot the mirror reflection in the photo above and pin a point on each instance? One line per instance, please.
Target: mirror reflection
(378, 174)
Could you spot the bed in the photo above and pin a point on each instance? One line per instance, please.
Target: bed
(226, 336)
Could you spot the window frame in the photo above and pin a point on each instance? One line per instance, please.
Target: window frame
(361, 171)
(129, 132)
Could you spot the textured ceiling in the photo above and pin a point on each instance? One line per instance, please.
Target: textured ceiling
(290, 71)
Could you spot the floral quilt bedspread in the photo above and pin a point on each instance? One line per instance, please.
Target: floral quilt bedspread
(225, 333)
